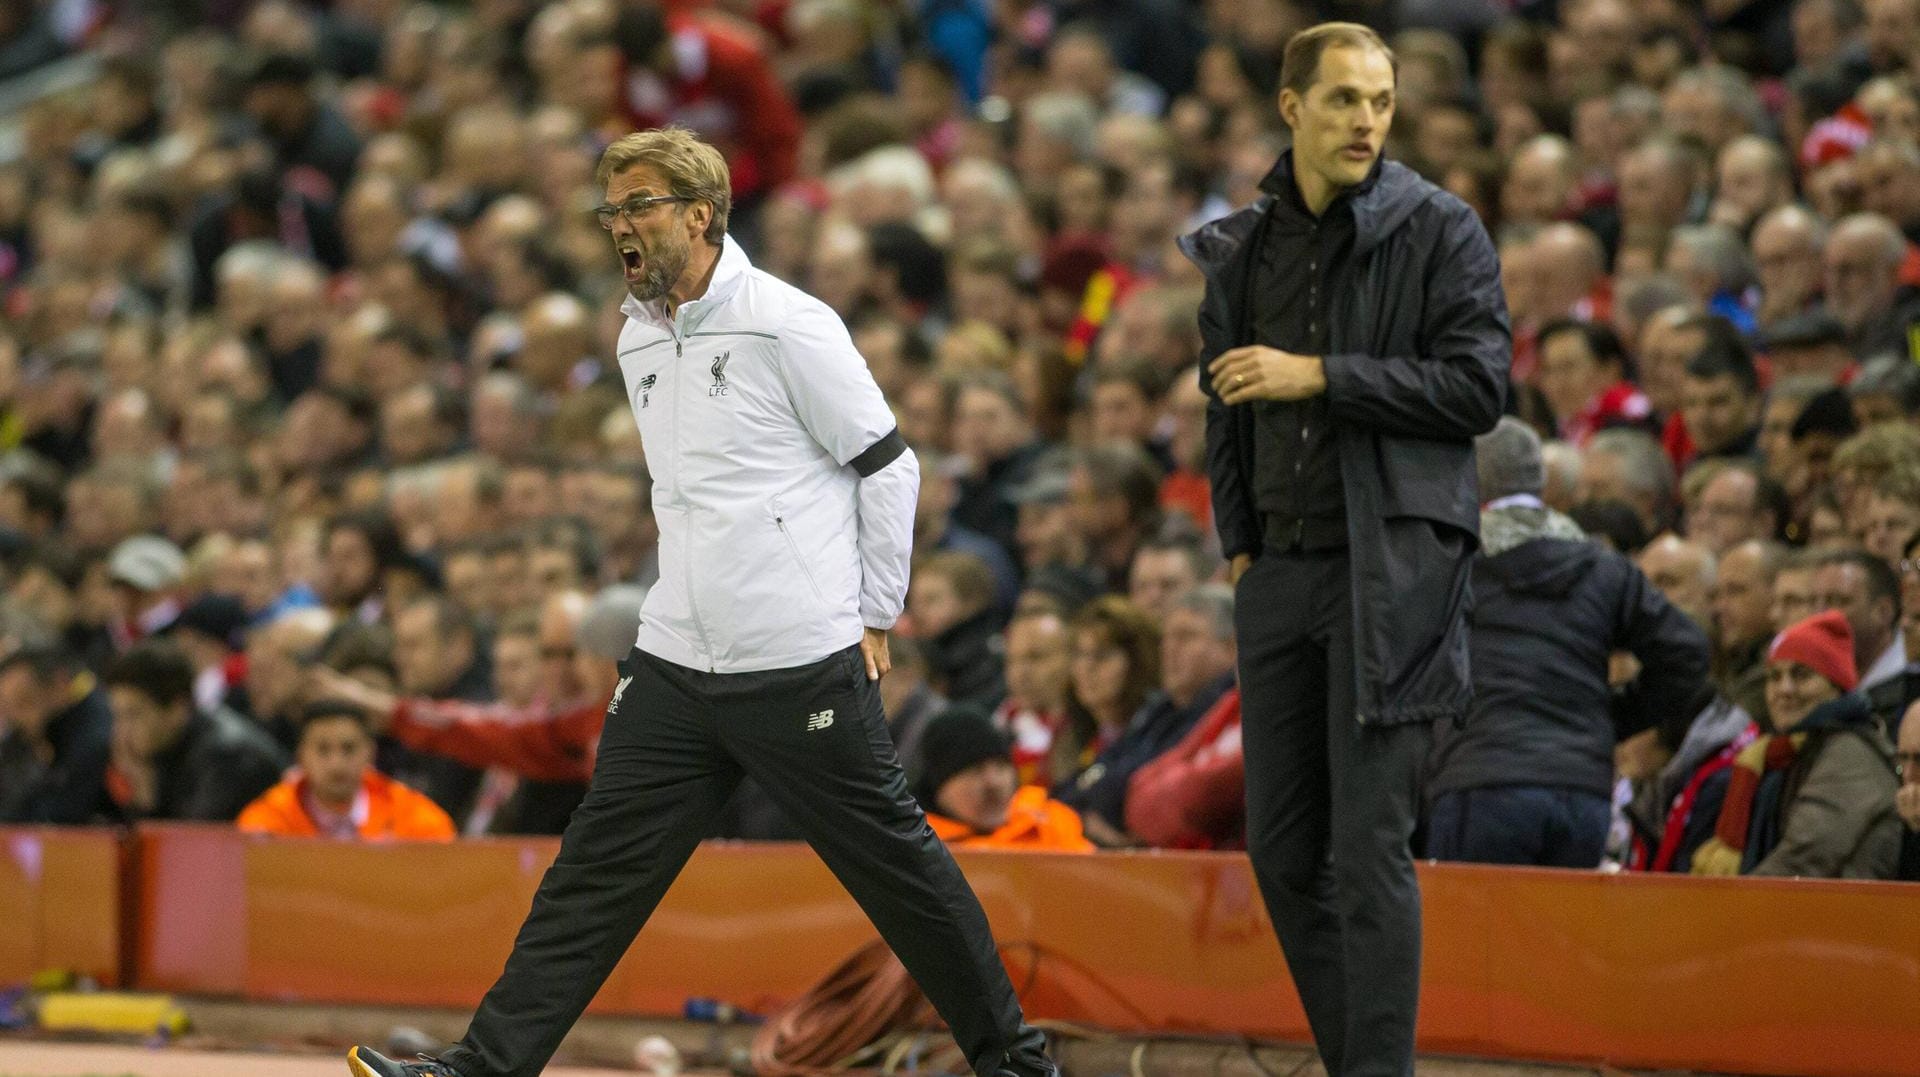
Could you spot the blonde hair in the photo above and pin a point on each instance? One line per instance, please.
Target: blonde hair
(692, 168)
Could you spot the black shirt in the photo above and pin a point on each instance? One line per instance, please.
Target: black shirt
(1300, 262)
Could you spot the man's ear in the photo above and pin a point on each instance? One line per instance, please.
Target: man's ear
(1290, 107)
(700, 214)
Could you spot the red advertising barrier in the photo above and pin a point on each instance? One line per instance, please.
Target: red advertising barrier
(1656, 972)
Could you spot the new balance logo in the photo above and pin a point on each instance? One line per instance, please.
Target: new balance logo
(646, 387)
(819, 720)
(618, 691)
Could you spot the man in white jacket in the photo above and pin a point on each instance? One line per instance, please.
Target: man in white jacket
(785, 498)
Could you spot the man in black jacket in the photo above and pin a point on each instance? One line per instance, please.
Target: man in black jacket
(1529, 778)
(1356, 341)
(54, 732)
(173, 760)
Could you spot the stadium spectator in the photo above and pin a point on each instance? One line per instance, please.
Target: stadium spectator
(1742, 621)
(1526, 779)
(58, 738)
(171, 758)
(1196, 669)
(1165, 568)
(950, 605)
(973, 795)
(1113, 666)
(1816, 796)
(1034, 712)
(1865, 590)
(1907, 797)
(1193, 796)
(337, 793)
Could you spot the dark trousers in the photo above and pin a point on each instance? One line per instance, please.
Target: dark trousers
(1548, 826)
(1330, 811)
(676, 743)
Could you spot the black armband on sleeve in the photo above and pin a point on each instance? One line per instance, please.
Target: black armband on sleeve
(880, 453)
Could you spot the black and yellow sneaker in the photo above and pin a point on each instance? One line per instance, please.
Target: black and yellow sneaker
(364, 1061)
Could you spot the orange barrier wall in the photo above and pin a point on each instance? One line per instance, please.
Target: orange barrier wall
(1745, 975)
(60, 903)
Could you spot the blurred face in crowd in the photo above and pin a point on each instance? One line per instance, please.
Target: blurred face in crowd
(1099, 671)
(1890, 182)
(516, 668)
(1665, 350)
(1655, 189)
(1844, 587)
(147, 727)
(1158, 578)
(27, 703)
(567, 671)
(1861, 276)
(276, 656)
(987, 427)
(1719, 411)
(350, 571)
(1793, 691)
(980, 795)
(1121, 412)
(1872, 409)
(464, 572)
(1683, 572)
(247, 573)
(1748, 178)
(1192, 655)
(1340, 124)
(935, 604)
(1187, 409)
(1741, 598)
(44, 596)
(1787, 254)
(1794, 598)
(1037, 661)
(1046, 535)
(427, 660)
(1728, 512)
(1889, 522)
(334, 754)
(1892, 26)
(1571, 375)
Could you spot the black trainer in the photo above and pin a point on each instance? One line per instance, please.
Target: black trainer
(364, 1061)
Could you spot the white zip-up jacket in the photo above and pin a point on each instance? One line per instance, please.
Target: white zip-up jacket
(781, 485)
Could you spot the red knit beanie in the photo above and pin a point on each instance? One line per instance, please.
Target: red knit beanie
(1822, 643)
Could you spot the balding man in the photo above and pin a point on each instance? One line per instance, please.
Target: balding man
(557, 337)
(1713, 104)
(1889, 171)
(1541, 181)
(1731, 502)
(1743, 623)
(1628, 466)
(1752, 177)
(1684, 572)
(1569, 267)
(1789, 248)
(1659, 180)
(1863, 260)
(1712, 260)
(296, 316)
(276, 656)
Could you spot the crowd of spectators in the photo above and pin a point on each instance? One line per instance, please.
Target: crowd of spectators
(322, 505)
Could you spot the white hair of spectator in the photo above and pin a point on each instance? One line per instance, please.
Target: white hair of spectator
(1734, 90)
(1065, 117)
(1509, 460)
(1648, 469)
(1721, 250)
(1214, 601)
(1889, 375)
(256, 259)
(1794, 215)
(1634, 102)
(297, 277)
(611, 624)
(889, 168)
(1893, 243)
(974, 172)
(807, 15)
(514, 388)
(1561, 461)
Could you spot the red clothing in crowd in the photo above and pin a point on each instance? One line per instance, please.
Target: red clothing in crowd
(723, 88)
(384, 810)
(536, 744)
(1621, 403)
(1194, 796)
(1032, 733)
(1188, 492)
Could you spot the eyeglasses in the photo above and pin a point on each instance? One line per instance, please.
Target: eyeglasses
(1906, 763)
(633, 208)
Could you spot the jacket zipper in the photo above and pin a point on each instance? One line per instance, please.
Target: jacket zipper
(794, 548)
(693, 604)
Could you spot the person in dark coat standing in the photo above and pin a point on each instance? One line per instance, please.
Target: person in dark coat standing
(1528, 779)
(1356, 342)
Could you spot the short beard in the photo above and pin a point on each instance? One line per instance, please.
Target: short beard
(663, 271)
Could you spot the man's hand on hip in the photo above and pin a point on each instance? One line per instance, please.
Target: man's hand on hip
(1238, 567)
(873, 647)
(1257, 372)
